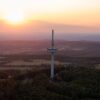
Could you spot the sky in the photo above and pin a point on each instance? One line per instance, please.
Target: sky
(29, 16)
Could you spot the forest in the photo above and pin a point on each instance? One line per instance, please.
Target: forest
(71, 83)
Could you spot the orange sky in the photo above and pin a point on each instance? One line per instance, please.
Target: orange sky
(82, 12)
(19, 15)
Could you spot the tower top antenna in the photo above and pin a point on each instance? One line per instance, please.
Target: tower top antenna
(52, 37)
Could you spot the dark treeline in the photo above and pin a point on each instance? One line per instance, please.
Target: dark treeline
(72, 83)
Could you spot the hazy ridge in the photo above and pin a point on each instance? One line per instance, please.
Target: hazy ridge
(67, 48)
(36, 30)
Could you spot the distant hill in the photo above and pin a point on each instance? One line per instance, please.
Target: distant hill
(36, 30)
(66, 48)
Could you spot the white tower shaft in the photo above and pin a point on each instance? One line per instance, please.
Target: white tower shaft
(52, 50)
(52, 56)
(52, 66)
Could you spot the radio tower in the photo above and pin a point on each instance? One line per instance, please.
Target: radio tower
(52, 50)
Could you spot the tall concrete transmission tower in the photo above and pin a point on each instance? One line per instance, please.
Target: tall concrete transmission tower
(52, 50)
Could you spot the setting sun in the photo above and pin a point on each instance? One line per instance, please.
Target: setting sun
(77, 12)
(14, 18)
(38, 16)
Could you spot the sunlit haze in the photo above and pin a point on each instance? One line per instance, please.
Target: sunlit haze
(14, 18)
(30, 16)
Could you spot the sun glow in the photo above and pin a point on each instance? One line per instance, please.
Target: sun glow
(14, 18)
(81, 12)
